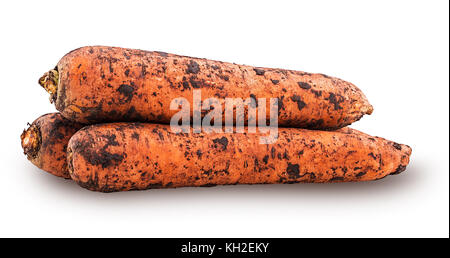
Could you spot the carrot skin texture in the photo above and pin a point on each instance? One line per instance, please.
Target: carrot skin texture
(137, 156)
(53, 132)
(111, 84)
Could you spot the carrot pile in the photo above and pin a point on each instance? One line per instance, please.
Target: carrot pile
(112, 130)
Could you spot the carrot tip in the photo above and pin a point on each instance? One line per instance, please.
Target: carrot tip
(49, 81)
(31, 141)
(368, 109)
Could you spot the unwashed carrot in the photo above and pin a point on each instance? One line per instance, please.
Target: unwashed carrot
(134, 156)
(45, 142)
(107, 84)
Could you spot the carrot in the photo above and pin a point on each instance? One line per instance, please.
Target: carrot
(107, 84)
(45, 142)
(134, 156)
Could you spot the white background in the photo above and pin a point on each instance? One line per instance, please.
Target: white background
(397, 52)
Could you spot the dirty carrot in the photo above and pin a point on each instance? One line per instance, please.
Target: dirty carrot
(107, 84)
(45, 142)
(136, 156)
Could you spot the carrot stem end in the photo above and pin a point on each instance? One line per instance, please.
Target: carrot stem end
(49, 81)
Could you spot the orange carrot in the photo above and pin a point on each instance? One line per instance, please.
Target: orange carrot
(45, 142)
(107, 84)
(135, 156)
